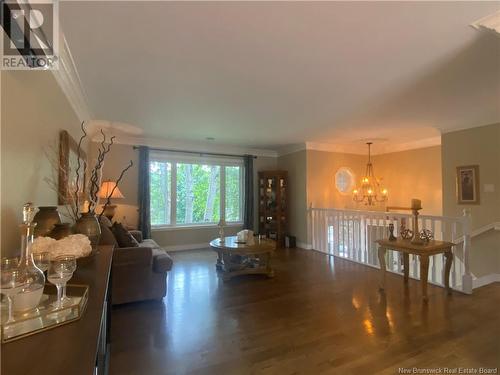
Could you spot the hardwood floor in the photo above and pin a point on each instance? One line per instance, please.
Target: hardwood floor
(319, 315)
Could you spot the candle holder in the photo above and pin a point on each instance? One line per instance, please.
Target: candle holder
(416, 240)
(391, 232)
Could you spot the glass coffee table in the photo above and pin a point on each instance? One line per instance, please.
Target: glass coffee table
(237, 258)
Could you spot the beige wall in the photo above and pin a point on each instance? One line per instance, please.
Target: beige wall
(406, 174)
(321, 169)
(115, 162)
(34, 110)
(479, 146)
(127, 208)
(296, 165)
(412, 174)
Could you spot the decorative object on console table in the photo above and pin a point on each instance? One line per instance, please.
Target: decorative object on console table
(74, 188)
(273, 205)
(30, 295)
(60, 231)
(222, 224)
(111, 190)
(468, 184)
(88, 224)
(46, 218)
(391, 232)
(416, 205)
(71, 170)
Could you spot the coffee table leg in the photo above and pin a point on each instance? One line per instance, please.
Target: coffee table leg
(219, 264)
(424, 274)
(449, 260)
(381, 259)
(406, 267)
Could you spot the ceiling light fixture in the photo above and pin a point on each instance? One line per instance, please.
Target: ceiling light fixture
(369, 191)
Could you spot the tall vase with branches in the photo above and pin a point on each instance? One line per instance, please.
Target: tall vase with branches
(82, 205)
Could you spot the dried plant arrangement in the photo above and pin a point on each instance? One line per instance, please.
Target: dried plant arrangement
(78, 199)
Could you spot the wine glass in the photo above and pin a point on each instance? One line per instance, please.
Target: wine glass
(71, 259)
(42, 260)
(8, 262)
(60, 271)
(12, 280)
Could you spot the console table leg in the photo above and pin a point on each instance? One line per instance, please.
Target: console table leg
(424, 274)
(381, 259)
(406, 267)
(449, 260)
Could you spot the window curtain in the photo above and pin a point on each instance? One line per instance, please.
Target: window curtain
(144, 193)
(248, 205)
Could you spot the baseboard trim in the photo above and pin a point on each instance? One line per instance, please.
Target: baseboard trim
(193, 246)
(304, 245)
(485, 280)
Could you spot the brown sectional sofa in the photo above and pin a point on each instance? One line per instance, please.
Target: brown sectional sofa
(138, 273)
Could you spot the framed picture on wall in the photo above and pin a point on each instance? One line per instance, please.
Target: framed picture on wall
(69, 164)
(468, 184)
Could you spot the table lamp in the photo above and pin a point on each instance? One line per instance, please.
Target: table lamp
(104, 192)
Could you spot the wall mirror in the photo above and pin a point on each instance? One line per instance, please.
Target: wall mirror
(345, 180)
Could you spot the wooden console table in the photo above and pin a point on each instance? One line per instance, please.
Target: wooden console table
(424, 252)
(80, 347)
(241, 259)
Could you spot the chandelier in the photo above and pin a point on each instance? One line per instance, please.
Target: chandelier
(369, 191)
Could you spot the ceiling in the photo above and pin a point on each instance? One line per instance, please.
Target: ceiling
(271, 74)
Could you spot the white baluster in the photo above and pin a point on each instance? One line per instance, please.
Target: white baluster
(434, 258)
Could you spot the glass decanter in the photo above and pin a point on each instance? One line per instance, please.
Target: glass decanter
(30, 296)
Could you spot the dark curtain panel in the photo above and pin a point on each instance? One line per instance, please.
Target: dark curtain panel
(144, 193)
(248, 206)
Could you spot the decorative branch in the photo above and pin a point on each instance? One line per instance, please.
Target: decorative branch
(78, 165)
(96, 174)
(108, 198)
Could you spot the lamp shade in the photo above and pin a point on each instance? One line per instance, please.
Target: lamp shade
(106, 189)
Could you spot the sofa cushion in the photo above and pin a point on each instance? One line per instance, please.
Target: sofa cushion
(107, 237)
(161, 261)
(123, 237)
(149, 243)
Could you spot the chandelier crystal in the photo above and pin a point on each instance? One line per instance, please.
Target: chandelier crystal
(369, 192)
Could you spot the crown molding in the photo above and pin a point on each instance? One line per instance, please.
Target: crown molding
(382, 148)
(191, 146)
(491, 23)
(290, 149)
(68, 79)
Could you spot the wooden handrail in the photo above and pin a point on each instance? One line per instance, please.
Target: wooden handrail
(479, 231)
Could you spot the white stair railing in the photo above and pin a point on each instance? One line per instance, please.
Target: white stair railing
(351, 235)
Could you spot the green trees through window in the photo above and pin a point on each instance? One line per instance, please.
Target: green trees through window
(197, 190)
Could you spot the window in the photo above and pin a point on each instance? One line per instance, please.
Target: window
(190, 191)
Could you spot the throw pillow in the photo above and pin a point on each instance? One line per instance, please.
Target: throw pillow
(123, 237)
(107, 237)
(105, 221)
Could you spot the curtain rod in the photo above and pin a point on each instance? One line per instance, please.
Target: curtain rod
(195, 152)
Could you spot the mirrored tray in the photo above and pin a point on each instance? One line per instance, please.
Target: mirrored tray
(45, 317)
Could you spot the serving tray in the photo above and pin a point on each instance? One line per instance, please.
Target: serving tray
(45, 317)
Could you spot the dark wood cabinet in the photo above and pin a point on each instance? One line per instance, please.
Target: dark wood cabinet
(80, 347)
(273, 205)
